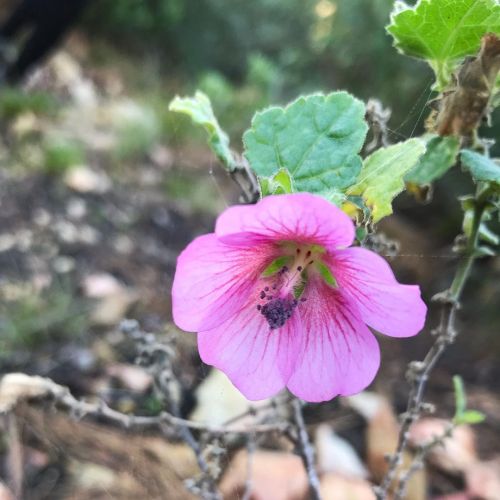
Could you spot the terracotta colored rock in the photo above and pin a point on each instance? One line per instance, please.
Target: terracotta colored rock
(274, 476)
(339, 487)
(459, 451)
(462, 495)
(483, 480)
(5, 493)
(112, 298)
(381, 440)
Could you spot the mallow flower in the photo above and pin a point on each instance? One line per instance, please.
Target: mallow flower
(280, 299)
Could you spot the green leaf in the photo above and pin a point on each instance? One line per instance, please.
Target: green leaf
(439, 157)
(279, 183)
(276, 265)
(443, 31)
(298, 290)
(199, 109)
(470, 417)
(481, 168)
(462, 414)
(316, 138)
(460, 397)
(326, 273)
(381, 178)
(485, 251)
(361, 234)
(487, 235)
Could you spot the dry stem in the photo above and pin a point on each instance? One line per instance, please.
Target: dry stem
(419, 372)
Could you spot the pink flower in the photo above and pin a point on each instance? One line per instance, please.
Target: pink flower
(278, 300)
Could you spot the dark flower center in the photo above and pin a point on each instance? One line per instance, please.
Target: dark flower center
(288, 275)
(280, 299)
(278, 310)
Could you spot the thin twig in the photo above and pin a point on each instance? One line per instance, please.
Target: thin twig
(377, 117)
(419, 459)
(306, 450)
(419, 372)
(158, 358)
(15, 456)
(82, 409)
(251, 448)
(246, 179)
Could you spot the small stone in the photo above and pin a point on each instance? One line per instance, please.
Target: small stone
(84, 180)
(66, 231)
(7, 241)
(41, 217)
(76, 208)
(89, 235)
(336, 455)
(132, 377)
(24, 240)
(123, 244)
(63, 264)
(219, 401)
(162, 156)
(113, 299)
(25, 124)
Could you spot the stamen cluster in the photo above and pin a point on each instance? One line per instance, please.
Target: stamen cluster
(281, 299)
(277, 311)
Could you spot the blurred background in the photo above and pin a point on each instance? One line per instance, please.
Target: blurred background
(101, 187)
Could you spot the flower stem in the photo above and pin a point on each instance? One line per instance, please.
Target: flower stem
(465, 266)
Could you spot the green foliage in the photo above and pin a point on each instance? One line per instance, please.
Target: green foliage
(487, 239)
(137, 130)
(202, 33)
(443, 32)
(316, 138)
(462, 414)
(199, 109)
(439, 157)
(33, 319)
(197, 188)
(15, 102)
(276, 265)
(481, 168)
(263, 74)
(268, 51)
(61, 154)
(382, 176)
(236, 104)
(470, 417)
(326, 273)
(279, 183)
(219, 90)
(133, 18)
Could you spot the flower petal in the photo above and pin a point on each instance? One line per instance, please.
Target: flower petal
(341, 355)
(257, 360)
(384, 304)
(213, 280)
(301, 217)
